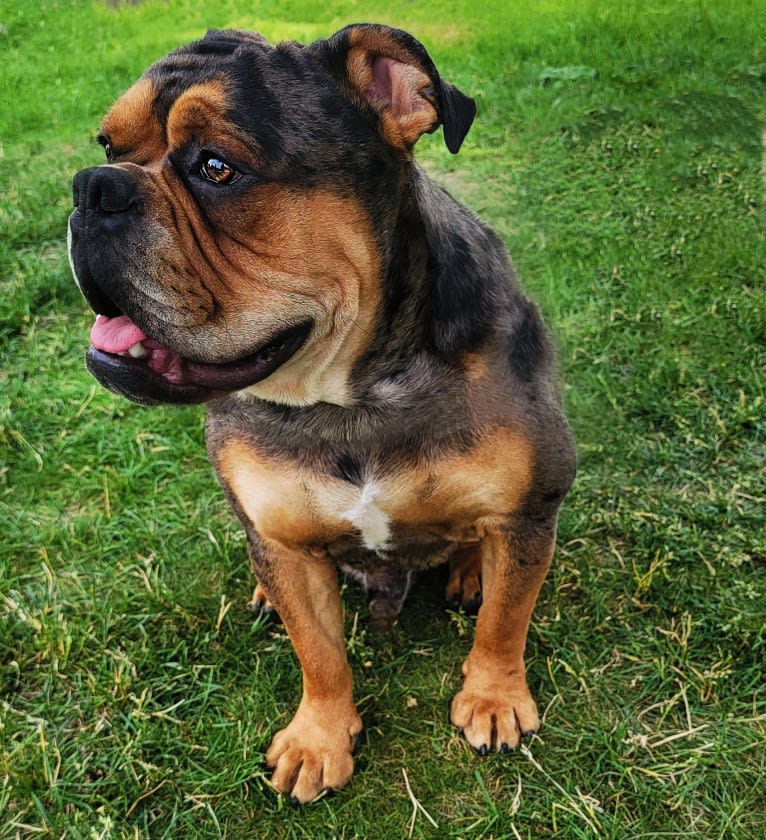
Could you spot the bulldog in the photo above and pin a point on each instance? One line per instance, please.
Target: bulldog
(381, 395)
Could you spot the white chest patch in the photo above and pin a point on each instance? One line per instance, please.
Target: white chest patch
(372, 522)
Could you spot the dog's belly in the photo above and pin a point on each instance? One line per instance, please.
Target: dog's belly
(407, 547)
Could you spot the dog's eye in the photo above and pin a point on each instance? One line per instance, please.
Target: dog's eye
(218, 171)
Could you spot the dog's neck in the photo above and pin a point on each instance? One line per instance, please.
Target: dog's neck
(432, 312)
(447, 278)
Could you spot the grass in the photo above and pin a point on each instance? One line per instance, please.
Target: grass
(618, 152)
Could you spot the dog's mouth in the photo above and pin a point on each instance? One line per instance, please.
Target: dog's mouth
(128, 362)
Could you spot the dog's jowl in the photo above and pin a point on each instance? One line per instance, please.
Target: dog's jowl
(381, 395)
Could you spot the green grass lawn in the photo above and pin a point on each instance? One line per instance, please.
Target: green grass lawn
(618, 152)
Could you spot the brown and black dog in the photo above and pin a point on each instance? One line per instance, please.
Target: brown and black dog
(381, 395)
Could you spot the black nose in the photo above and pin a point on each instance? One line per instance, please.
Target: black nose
(106, 223)
(107, 191)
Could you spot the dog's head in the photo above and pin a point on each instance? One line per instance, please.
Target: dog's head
(236, 237)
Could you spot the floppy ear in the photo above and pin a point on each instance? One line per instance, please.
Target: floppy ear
(389, 75)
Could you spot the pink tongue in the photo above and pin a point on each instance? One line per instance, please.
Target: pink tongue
(114, 335)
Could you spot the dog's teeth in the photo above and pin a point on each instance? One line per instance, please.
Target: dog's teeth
(138, 351)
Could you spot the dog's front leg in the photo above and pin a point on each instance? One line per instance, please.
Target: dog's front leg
(314, 752)
(495, 709)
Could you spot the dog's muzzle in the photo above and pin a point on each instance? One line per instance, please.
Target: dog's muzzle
(106, 225)
(107, 206)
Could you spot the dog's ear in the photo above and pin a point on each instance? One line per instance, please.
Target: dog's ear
(389, 75)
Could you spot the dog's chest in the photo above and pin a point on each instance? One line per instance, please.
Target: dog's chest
(416, 510)
(363, 511)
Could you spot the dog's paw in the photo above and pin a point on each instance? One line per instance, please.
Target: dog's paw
(464, 583)
(495, 714)
(314, 753)
(262, 607)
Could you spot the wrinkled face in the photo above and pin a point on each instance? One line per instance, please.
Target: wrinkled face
(228, 243)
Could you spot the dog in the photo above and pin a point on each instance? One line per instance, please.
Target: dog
(381, 395)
